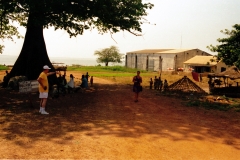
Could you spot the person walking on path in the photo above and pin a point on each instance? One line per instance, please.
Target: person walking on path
(137, 80)
(44, 88)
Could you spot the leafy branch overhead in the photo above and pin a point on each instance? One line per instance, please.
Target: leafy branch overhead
(229, 48)
(75, 16)
(109, 55)
(7, 31)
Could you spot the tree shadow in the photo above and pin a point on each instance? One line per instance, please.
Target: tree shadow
(110, 110)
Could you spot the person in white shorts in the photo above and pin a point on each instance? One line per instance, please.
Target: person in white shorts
(44, 88)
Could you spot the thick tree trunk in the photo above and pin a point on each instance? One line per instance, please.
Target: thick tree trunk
(33, 55)
(106, 63)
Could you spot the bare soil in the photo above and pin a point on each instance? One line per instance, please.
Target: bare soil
(104, 122)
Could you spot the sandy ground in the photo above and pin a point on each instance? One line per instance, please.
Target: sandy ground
(105, 123)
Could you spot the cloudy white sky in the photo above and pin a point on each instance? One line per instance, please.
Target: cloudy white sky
(179, 24)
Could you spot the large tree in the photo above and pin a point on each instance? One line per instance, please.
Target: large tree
(74, 16)
(107, 55)
(229, 49)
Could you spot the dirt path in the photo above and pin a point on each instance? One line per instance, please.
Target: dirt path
(105, 123)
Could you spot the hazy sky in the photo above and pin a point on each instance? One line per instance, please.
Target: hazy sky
(179, 24)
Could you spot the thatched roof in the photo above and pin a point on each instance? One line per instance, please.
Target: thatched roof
(186, 85)
(232, 72)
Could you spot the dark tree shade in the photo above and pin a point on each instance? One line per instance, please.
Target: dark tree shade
(74, 16)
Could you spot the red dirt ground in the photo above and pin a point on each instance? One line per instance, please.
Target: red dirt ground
(105, 123)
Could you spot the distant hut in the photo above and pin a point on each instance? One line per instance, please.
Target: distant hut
(215, 82)
(232, 73)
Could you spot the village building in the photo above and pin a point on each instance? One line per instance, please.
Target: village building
(161, 59)
(201, 64)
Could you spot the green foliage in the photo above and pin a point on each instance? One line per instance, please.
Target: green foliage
(79, 15)
(109, 55)
(7, 31)
(229, 49)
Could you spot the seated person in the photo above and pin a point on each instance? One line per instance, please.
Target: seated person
(70, 84)
(84, 82)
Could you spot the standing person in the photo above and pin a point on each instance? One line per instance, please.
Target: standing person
(161, 84)
(165, 85)
(137, 80)
(151, 83)
(87, 76)
(91, 81)
(44, 88)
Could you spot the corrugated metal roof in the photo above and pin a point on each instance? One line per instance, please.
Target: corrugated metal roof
(201, 60)
(166, 51)
(150, 51)
(175, 51)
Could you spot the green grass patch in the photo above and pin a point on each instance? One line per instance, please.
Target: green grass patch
(2, 67)
(103, 69)
(209, 105)
(116, 74)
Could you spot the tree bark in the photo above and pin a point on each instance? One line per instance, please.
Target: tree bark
(33, 55)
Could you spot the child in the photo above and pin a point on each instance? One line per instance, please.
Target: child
(165, 85)
(91, 81)
(151, 83)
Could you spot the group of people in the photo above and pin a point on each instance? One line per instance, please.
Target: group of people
(158, 84)
(44, 86)
(62, 84)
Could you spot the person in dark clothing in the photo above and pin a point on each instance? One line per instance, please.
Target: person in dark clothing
(5, 80)
(87, 76)
(151, 83)
(137, 80)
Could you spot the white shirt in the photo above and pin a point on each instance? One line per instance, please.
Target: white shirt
(71, 83)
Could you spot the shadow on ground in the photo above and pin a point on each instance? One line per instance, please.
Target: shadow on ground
(110, 110)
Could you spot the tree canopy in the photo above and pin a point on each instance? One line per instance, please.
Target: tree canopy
(229, 49)
(107, 55)
(74, 16)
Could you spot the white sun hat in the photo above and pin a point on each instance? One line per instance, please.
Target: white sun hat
(46, 67)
